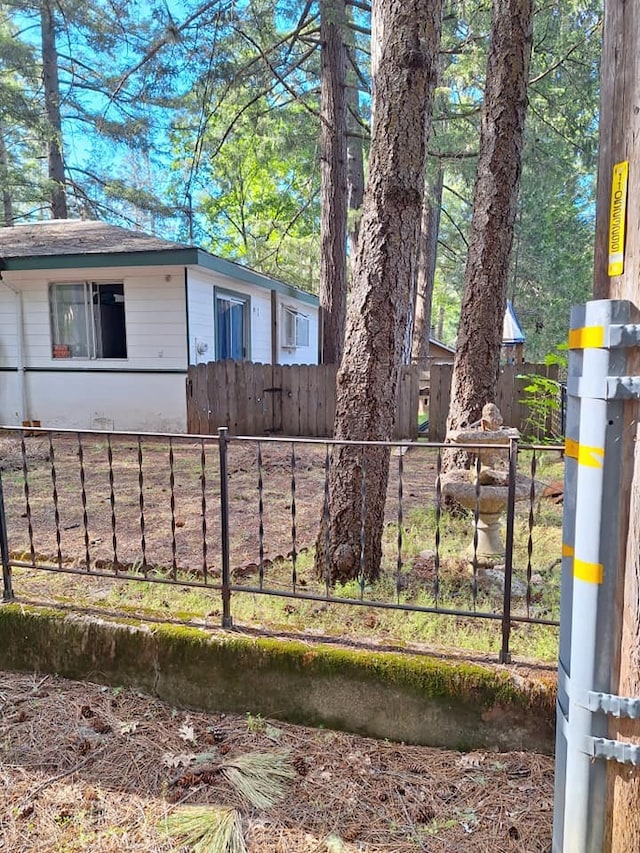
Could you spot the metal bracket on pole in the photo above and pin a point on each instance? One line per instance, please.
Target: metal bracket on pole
(614, 750)
(605, 388)
(615, 706)
(623, 335)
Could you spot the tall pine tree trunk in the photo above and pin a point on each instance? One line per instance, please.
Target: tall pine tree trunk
(355, 164)
(429, 227)
(7, 202)
(477, 361)
(52, 109)
(381, 292)
(333, 142)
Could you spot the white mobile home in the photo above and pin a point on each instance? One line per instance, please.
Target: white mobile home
(98, 324)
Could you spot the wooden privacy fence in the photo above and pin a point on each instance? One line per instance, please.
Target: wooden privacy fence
(262, 399)
(509, 398)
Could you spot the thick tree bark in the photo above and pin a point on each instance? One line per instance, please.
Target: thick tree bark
(52, 109)
(333, 217)
(382, 287)
(477, 361)
(355, 165)
(7, 202)
(619, 141)
(429, 227)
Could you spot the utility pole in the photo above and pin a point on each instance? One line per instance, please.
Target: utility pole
(617, 276)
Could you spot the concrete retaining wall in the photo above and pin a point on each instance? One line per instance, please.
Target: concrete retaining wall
(402, 697)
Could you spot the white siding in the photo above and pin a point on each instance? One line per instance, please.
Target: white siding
(144, 391)
(10, 401)
(202, 327)
(146, 402)
(8, 327)
(202, 284)
(155, 316)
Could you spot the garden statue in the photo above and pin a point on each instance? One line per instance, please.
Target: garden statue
(485, 486)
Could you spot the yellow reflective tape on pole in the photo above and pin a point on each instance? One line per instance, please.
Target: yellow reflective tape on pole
(588, 337)
(571, 448)
(588, 572)
(592, 457)
(617, 217)
(567, 550)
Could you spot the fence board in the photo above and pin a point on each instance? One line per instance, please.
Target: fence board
(241, 413)
(505, 398)
(306, 405)
(509, 396)
(290, 401)
(439, 394)
(251, 409)
(258, 399)
(325, 390)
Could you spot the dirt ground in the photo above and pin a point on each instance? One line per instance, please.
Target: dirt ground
(89, 500)
(91, 768)
(162, 503)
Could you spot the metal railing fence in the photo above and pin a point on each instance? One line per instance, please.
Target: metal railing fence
(237, 515)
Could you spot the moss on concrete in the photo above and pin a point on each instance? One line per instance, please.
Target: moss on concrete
(399, 696)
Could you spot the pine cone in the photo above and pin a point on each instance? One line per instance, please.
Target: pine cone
(300, 765)
(424, 813)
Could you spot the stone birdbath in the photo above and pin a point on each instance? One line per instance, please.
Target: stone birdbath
(487, 488)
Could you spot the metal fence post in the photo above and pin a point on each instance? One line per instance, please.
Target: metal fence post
(596, 388)
(7, 584)
(227, 620)
(505, 654)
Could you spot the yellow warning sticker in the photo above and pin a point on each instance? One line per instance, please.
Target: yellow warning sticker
(567, 550)
(588, 572)
(618, 217)
(588, 337)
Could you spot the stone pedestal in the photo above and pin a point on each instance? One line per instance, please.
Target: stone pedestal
(490, 547)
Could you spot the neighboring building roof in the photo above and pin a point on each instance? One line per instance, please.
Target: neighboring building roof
(511, 329)
(439, 352)
(75, 243)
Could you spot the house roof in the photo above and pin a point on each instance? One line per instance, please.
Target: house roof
(511, 329)
(74, 244)
(76, 237)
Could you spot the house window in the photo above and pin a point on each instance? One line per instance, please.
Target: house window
(232, 326)
(87, 320)
(295, 328)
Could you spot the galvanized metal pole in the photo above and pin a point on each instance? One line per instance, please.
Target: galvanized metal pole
(505, 653)
(597, 386)
(572, 424)
(227, 621)
(7, 585)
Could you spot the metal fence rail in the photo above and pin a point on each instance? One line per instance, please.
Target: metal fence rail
(239, 515)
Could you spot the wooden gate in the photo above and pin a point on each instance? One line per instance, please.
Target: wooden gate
(262, 399)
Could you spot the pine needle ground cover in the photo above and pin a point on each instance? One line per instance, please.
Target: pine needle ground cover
(104, 770)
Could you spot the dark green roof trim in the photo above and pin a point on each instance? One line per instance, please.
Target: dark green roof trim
(189, 256)
(92, 260)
